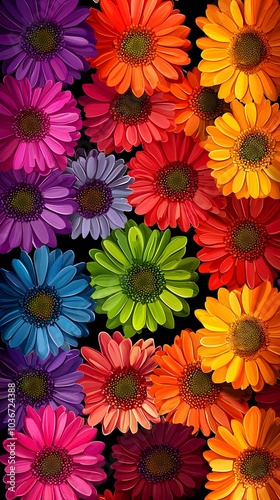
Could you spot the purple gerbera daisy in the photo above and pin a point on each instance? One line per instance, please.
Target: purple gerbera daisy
(101, 192)
(38, 382)
(33, 208)
(45, 40)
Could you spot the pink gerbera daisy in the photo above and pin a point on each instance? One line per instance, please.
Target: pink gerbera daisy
(116, 383)
(55, 457)
(120, 121)
(39, 127)
(172, 184)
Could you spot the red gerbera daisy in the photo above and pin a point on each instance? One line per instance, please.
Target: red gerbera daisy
(243, 245)
(269, 397)
(120, 121)
(172, 183)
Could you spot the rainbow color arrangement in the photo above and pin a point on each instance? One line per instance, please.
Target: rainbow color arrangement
(183, 157)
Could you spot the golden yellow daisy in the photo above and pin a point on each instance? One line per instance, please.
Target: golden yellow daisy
(241, 339)
(242, 51)
(245, 461)
(244, 150)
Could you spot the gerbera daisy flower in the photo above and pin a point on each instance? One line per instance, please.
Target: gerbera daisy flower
(45, 304)
(139, 44)
(187, 395)
(34, 208)
(119, 121)
(44, 41)
(243, 245)
(245, 459)
(39, 127)
(244, 150)
(240, 338)
(172, 184)
(101, 191)
(165, 462)
(55, 457)
(116, 382)
(269, 397)
(241, 53)
(39, 382)
(141, 279)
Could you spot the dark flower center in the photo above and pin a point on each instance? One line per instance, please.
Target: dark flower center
(136, 46)
(52, 465)
(177, 181)
(246, 239)
(125, 389)
(94, 198)
(255, 467)
(205, 103)
(196, 387)
(249, 49)
(34, 387)
(253, 148)
(31, 124)
(41, 305)
(143, 282)
(248, 336)
(42, 40)
(159, 463)
(22, 202)
(129, 109)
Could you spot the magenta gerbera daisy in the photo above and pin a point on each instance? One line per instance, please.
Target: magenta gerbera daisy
(39, 127)
(164, 463)
(56, 457)
(120, 121)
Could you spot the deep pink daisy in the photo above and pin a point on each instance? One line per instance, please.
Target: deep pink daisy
(38, 127)
(55, 457)
(116, 383)
(269, 397)
(120, 121)
(164, 463)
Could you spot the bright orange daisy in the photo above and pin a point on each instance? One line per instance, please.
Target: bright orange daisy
(140, 43)
(187, 394)
(245, 460)
(241, 336)
(244, 150)
(242, 51)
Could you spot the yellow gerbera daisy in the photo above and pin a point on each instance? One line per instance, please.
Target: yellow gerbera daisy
(244, 150)
(241, 338)
(245, 461)
(242, 51)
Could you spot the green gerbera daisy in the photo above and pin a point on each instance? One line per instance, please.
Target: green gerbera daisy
(141, 279)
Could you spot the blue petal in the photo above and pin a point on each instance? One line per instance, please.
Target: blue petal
(77, 302)
(27, 261)
(54, 268)
(68, 326)
(8, 290)
(68, 258)
(63, 277)
(42, 343)
(73, 288)
(55, 335)
(20, 336)
(14, 282)
(29, 343)
(54, 255)
(11, 330)
(53, 347)
(22, 272)
(41, 261)
(70, 340)
(78, 315)
(10, 316)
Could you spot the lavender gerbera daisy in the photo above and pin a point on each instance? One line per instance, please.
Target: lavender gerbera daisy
(45, 40)
(39, 382)
(33, 208)
(101, 191)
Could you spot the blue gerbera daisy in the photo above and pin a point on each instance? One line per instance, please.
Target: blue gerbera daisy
(45, 304)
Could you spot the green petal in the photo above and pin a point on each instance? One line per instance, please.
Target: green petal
(177, 275)
(185, 311)
(177, 257)
(106, 279)
(136, 243)
(113, 323)
(151, 322)
(113, 305)
(170, 323)
(92, 252)
(129, 331)
(139, 316)
(171, 300)
(157, 311)
(123, 244)
(127, 311)
(95, 269)
(190, 263)
(103, 260)
(104, 292)
(165, 238)
(151, 246)
(182, 292)
(116, 252)
(176, 244)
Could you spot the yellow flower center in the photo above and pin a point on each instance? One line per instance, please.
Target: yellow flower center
(34, 386)
(136, 46)
(249, 49)
(196, 387)
(205, 103)
(255, 467)
(42, 306)
(254, 150)
(248, 336)
(43, 39)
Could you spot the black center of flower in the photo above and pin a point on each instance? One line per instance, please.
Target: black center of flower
(125, 389)
(52, 465)
(143, 282)
(41, 305)
(136, 46)
(246, 239)
(31, 124)
(94, 198)
(42, 40)
(159, 463)
(249, 48)
(22, 202)
(34, 387)
(129, 109)
(177, 181)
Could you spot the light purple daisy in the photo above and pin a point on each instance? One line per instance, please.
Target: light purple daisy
(101, 191)
(33, 208)
(45, 40)
(38, 382)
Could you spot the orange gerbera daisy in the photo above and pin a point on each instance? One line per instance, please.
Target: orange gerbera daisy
(139, 44)
(242, 51)
(245, 461)
(241, 338)
(187, 394)
(244, 150)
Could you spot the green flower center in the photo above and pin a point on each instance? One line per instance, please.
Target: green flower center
(249, 49)
(42, 306)
(143, 282)
(246, 239)
(196, 387)
(31, 124)
(43, 39)
(255, 467)
(253, 148)
(248, 337)
(22, 202)
(137, 46)
(159, 463)
(52, 465)
(34, 387)
(129, 109)
(125, 389)
(176, 181)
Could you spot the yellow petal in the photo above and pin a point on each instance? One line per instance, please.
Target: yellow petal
(231, 121)
(251, 113)
(217, 32)
(223, 75)
(221, 465)
(213, 66)
(214, 54)
(219, 154)
(241, 85)
(238, 181)
(252, 424)
(227, 175)
(253, 183)
(238, 111)
(222, 360)
(236, 13)
(265, 184)
(256, 87)
(252, 372)
(234, 369)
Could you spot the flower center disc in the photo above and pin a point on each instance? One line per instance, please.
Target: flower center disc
(52, 465)
(254, 150)
(31, 124)
(136, 46)
(196, 387)
(177, 181)
(249, 50)
(42, 40)
(159, 463)
(41, 305)
(34, 387)
(129, 109)
(255, 467)
(205, 103)
(248, 336)
(125, 389)
(94, 198)
(246, 239)
(143, 282)
(22, 202)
